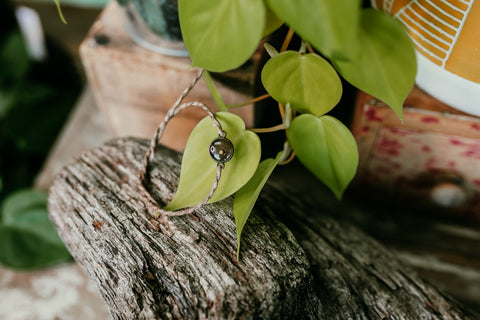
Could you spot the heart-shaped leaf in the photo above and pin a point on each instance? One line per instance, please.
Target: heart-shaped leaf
(308, 82)
(330, 26)
(327, 148)
(246, 197)
(221, 35)
(386, 65)
(198, 169)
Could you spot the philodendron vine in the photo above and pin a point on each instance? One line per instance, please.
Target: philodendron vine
(368, 48)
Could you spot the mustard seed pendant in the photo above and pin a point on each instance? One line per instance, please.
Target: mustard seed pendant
(221, 150)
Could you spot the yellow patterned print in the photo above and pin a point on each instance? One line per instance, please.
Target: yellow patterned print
(446, 32)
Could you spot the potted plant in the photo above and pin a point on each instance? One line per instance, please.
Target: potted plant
(370, 49)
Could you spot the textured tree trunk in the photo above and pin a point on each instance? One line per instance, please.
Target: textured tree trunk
(297, 262)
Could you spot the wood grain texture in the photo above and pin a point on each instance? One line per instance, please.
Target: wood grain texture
(185, 267)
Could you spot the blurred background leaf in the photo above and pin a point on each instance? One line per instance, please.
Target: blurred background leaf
(28, 239)
(36, 98)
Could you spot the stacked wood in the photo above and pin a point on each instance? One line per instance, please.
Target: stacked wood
(297, 261)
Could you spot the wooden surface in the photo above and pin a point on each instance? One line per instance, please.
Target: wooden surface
(443, 248)
(62, 292)
(310, 266)
(135, 87)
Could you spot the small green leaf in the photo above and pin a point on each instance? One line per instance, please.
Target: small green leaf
(246, 197)
(308, 82)
(28, 239)
(330, 26)
(272, 52)
(221, 35)
(327, 148)
(198, 169)
(386, 65)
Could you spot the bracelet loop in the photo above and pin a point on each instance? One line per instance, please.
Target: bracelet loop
(221, 149)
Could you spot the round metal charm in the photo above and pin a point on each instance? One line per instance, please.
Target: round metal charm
(221, 150)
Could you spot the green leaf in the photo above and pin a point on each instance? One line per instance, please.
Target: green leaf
(246, 197)
(329, 26)
(198, 169)
(386, 65)
(272, 52)
(28, 239)
(327, 148)
(221, 35)
(308, 82)
(217, 98)
(7, 99)
(14, 59)
(272, 22)
(25, 250)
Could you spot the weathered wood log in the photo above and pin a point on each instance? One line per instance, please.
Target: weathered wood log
(185, 267)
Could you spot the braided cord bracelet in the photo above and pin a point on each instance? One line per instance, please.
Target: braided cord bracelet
(221, 149)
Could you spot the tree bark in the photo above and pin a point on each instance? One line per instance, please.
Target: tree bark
(185, 267)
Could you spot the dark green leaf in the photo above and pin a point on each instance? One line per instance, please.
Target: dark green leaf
(198, 169)
(327, 148)
(14, 59)
(221, 35)
(7, 98)
(330, 26)
(27, 210)
(308, 82)
(28, 238)
(386, 65)
(246, 197)
(21, 249)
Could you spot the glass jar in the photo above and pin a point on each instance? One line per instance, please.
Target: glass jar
(154, 24)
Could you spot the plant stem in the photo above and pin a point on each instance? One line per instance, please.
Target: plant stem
(260, 98)
(290, 159)
(281, 109)
(267, 130)
(287, 40)
(310, 49)
(303, 47)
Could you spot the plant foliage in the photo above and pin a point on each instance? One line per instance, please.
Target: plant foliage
(28, 239)
(35, 100)
(368, 48)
